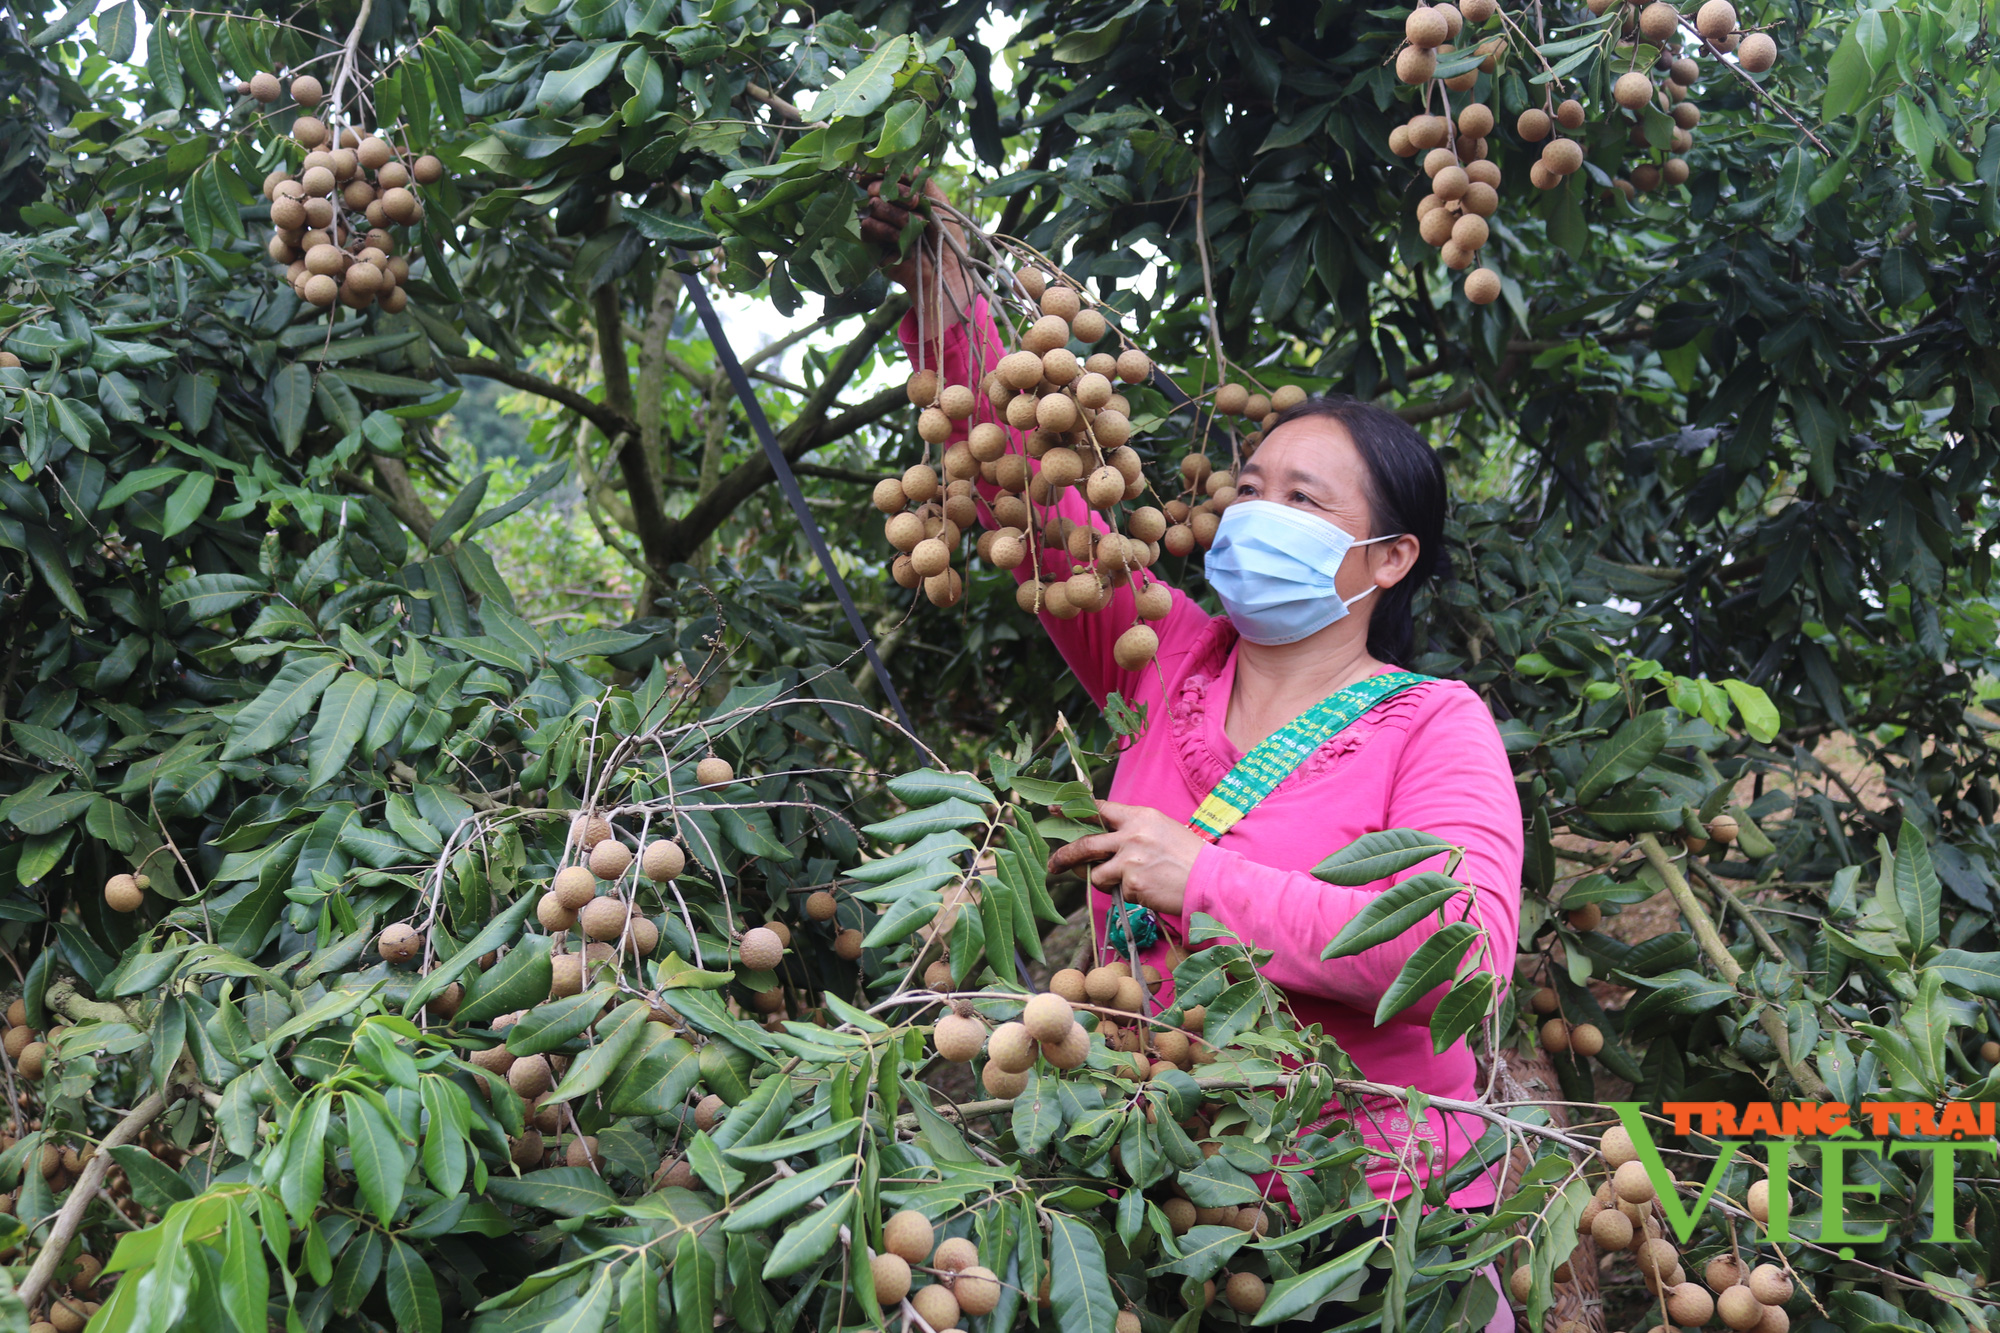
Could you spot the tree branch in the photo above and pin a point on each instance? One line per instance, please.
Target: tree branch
(71, 1216)
(607, 419)
(641, 469)
(808, 431)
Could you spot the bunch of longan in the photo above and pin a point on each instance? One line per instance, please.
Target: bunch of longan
(961, 1284)
(1465, 184)
(573, 902)
(1048, 1028)
(1624, 1217)
(1077, 425)
(331, 255)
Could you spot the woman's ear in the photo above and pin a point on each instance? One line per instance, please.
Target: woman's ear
(1394, 560)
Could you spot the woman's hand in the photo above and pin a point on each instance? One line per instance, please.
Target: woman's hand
(883, 222)
(1149, 853)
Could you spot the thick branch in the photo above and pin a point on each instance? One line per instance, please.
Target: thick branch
(809, 430)
(71, 1216)
(63, 997)
(607, 419)
(640, 468)
(653, 364)
(400, 494)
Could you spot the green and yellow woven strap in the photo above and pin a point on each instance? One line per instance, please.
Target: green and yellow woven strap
(1278, 755)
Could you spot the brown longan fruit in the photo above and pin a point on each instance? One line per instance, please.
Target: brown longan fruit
(1544, 1001)
(958, 1037)
(847, 945)
(1758, 53)
(18, 1039)
(310, 132)
(428, 170)
(1774, 1320)
(307, 90)
(1657, 1258)
(1475, 120)
(976, 1289)
(1072, 1051)
(33, 1058)
(708, 1112)
(1689, 1305)
(1002, 1083)
(530, 1077)
(265, 87)
(1011, 1047)
(1048, 1017)
(400, 943)
(1245, 1293)
(955, 1254)
(663, 860)
(1632, 1184)
(1555, 1036)
(1569, 114)
(1586, 1039)
(1069, 984)
(936, 1305)
(401, 205)
(565, 974)
(610, 859)
(1739, 1309)
(1715, 20)
(822, 905)
(1135, 648)
(1770, 1284)
(1416, 64)
(123, 894)
(1532, 125)
(1521, 1283)
(1587, 917)
(1616, 1147)
(908, 1235)
(1989, 1051)
(1612, 1230)
(603, 918)
(1562, 156)
(761, 950)
(1633, 90)
(891, 1274)
(1426, 28)
(17, 1014)
(714, 770)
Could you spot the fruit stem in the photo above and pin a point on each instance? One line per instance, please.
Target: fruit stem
(1718, 953)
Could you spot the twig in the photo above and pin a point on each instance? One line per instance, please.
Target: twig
(80, 1198)
(1722, 891)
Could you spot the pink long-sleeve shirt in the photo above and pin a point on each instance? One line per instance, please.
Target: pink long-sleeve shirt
(1429, 758)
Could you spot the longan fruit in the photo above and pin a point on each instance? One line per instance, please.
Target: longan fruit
(428, 169)
(1128, 1320)
(1245, 1293)
(1632, 1184)
(891, 1275)
(610, 859)
(1738, 1308)
(1586, 1039)
(123, 894)
(1136, 647)
(1426, 28)
(530, 1077)
(1521, 1283)
(603, 918)
(708, 1112)
(1758, 52)
(400, 943)
(645, 936)
(1587, 917)
(1416, 64)
(565, 975)
(936, 1305)
(1011, 1047)
(1657, 1258)
(1770, 1284)
(33, 1059)
(976, 1289)
(1989, 1051)
(18, 1039)
(955, 1254)
(1612, 1230)
(761, 950)
(1569, 114)
(1562, 156)
(310, 132)
(909, 1235)
(1533, 125)
(1616, 1147)
(1072, 1051)
(1715, 20)
(1475, 120)
(1774, 1320)
(1555, 1036)
(715, 770)
(1001, 1083)
(1689, 1305)
(1048, 1017)
(662, 860)
(307, 91)
(958, 1037)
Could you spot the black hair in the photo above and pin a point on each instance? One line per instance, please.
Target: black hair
(1406, 493)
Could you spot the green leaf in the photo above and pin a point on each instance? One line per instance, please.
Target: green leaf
(566, 1191)
(864, 89)
(928, 786)
(1434, 963)
(132, 483)
(377, 1155)
(1038, 1116)
(1393, 912)
(950, 813)
(687, 233)
(71, 19)
(804, 1242)
(1295, 1297)
(1847, 79)
(459, 511)
(500, 930)
(291, 404)
(1625, 755)
(519, 979)
(639, 1297)
(186, 503)
(198, 65)
(788, 1195)
(1204, 1250)
(343, 715)
(1975, 972)
(902, 130)
(561, 90)
(246, 1280)
(209, 595)
(413, 1294)
(616, 1037)
(117, 38)
(1759, 714)
(548, 1026)
(663, 1069)
(1460, 1010)
(1376, 856)
(1918, 892)
(1079, 1287)
(694, 1277)
(268, 719)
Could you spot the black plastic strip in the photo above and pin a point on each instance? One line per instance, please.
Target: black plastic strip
(789, 484)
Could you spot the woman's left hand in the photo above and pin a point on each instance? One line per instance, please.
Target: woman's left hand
(1149, 853)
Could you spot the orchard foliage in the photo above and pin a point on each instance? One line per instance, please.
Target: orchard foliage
(1722, 570)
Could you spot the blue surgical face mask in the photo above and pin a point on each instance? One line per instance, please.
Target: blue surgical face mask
(1273, 567)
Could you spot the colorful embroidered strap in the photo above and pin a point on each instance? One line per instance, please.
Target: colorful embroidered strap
(1274, 758)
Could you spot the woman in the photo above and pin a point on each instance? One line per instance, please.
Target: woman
(1337, 522)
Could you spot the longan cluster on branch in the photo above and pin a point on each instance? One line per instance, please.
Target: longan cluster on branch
(332, 218)
(1075, 427)
(1454, 149)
